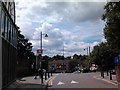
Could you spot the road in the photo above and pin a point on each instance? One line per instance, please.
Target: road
(80, 80)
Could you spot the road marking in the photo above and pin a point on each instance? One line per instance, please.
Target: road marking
(104, 80)
(50, 82)
(73, 82)
(60, 83)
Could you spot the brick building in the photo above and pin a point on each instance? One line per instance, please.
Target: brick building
(58, 65)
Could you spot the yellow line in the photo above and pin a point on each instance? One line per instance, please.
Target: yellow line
(50, 82)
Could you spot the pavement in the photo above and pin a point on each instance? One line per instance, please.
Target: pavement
(29, 83)
(106, 78)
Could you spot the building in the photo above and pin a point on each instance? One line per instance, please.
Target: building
(58, 65)
(8, 43)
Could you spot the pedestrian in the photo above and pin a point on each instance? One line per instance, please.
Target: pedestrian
(33, 68)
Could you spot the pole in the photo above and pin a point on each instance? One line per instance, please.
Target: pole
(36, 68)
(89, 50)
(36, 61)
(63, 51)
(110, 75)
(41, 58)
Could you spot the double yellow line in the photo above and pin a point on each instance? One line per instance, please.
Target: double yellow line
(50, 82)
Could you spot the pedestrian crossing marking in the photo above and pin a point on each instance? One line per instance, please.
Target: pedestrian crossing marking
(60, 83)
(73, 82)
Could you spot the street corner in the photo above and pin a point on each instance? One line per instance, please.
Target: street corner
(113, 82)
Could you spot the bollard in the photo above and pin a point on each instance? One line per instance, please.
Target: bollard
(45, 76)
(48, 75)
(107, 73)
(110, 75)
(102, 74)
(42, 78)
(51, 73)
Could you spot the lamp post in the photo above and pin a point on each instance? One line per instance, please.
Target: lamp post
(41, 54)
(88, 50)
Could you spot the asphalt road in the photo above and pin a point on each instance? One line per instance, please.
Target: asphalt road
(80, 80)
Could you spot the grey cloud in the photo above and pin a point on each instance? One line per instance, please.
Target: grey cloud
(71, 11)
(54, 13)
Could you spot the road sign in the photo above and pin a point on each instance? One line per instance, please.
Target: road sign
(39, 51)
(116, 60)
(119, 56)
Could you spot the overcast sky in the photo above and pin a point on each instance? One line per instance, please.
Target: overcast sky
(73, 26)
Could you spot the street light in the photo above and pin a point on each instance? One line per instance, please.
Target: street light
(41, 54)
(88, 50)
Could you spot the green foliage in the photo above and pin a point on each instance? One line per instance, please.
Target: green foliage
(72, 64)
(103, 56)
(58, 57)
(45, 60)
(25, 56)
(87, 62)
(111, 31)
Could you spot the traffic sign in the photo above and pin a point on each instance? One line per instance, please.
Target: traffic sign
(116, 60)
(119, 56)
(39, 51)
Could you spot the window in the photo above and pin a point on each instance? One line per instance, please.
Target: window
(10, 28)
(6, 22)
(12, 35)
(15, 38)
(2, 23)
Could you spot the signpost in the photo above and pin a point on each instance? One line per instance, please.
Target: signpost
(39, 51)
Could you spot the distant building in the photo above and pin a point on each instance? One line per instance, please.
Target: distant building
(58, 65)
(8, 43)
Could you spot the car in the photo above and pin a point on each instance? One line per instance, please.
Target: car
(86, 70)
(113, 71)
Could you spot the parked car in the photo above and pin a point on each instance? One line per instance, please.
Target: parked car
(113, 71)
(86, 70)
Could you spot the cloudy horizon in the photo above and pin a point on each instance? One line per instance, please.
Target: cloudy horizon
(71, 26)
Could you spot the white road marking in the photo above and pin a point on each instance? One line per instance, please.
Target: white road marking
(60, 83)
(73, 82)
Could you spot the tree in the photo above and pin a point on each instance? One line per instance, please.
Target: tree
(103, 56)
(111, 31)
(58, 57)
(25, 55)
(72, 64)
(45, 60)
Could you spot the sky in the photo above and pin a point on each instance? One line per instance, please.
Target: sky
(71, 26)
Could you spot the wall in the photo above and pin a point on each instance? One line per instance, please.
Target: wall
(0, 52)
(8, 46)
